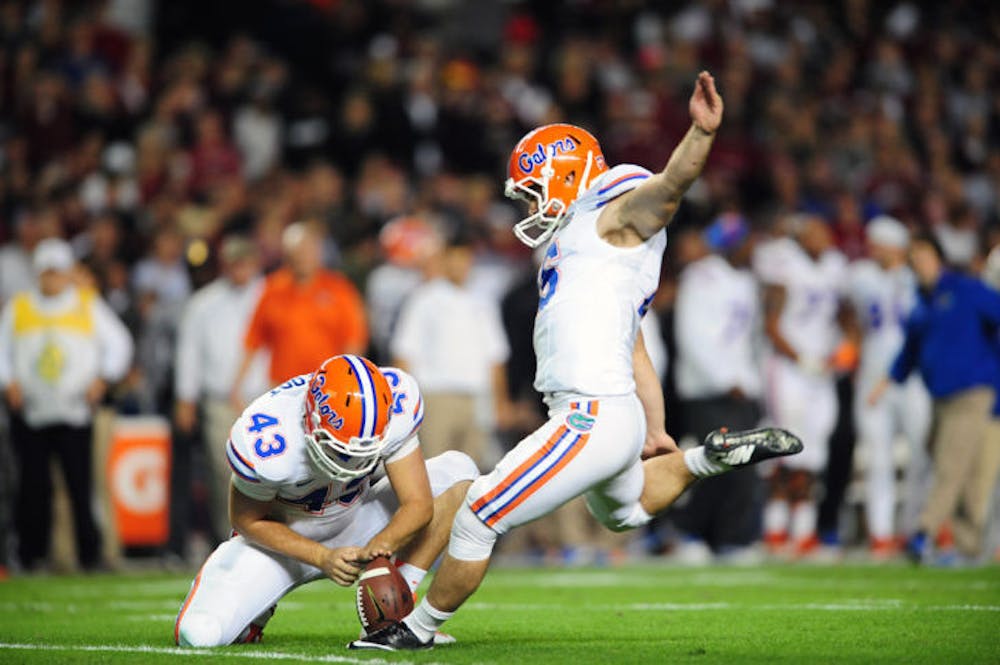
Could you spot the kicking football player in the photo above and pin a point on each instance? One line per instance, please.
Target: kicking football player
(601, 269)
(309, 498)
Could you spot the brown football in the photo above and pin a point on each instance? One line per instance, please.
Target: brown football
(383, 595)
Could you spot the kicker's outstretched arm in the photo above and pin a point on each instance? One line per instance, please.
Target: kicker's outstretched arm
(651, 206)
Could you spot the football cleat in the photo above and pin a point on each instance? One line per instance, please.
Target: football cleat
(742, 448)
(394, 637)
(440, 638)
(254, 633)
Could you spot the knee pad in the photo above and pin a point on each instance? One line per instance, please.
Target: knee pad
(622, 518)
(471, 540)
(459, 465)
(450, 468)
(199, 630)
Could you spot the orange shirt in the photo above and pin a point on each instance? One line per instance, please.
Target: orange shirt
(304, 324)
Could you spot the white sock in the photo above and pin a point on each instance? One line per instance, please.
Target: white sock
(803, 522)
(776, 515)
(700, 466)
(425, 620)
(413, 575)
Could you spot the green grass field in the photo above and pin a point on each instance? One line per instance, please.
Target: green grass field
(636, 614)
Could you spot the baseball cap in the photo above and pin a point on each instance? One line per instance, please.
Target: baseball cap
(53, 254)
(237, 247)
(887, 231)
(726, 232)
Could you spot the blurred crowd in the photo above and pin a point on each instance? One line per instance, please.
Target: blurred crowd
(178, 147)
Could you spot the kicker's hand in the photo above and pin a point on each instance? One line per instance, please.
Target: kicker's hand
(658, 443)
(373, 551)
(706, 104)
(342, 564)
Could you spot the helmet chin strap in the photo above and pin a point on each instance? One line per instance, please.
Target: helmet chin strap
(585, 180)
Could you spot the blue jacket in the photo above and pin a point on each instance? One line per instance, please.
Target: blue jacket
(951, 336)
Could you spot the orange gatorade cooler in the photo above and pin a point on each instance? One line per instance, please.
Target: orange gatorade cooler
(139, 480)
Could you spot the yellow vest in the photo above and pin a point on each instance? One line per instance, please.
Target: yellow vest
(29, 319)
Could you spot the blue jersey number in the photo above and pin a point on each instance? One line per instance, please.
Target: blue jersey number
(644, 307)
(352, 490)
(875, 318)
(397, 397)
(314, 502)
(317, 501)
(260, 422)
(548, 275)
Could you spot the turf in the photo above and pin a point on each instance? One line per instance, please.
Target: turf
(637, 614)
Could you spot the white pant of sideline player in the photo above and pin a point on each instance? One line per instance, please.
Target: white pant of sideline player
(240, 581)
(904, 409)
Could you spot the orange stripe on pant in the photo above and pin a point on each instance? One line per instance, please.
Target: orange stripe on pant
(516, 473)
(537, 484)
(184, 607)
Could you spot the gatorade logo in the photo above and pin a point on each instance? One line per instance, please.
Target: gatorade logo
(138, 480)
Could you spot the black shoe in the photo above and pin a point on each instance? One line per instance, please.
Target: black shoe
(394, 637)
(742, 448)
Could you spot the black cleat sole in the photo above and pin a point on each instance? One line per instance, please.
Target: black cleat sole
(741, 448)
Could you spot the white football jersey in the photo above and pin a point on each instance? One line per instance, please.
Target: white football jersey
(716, 323)
(267, 452)
(813, 291)
(883, 299)
(592, 296)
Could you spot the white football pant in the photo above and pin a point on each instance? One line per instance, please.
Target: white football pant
(904, 409)
(806, 405)
(588, 446)
(240, 581)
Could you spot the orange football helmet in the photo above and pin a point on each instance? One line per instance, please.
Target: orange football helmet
(347, 413)
(550, 167)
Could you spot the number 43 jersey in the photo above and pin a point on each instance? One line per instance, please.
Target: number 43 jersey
(267, 453)
(592, 296)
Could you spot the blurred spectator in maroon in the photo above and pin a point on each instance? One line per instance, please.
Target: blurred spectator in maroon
(47, 123)
(848, 225)
(213, 157)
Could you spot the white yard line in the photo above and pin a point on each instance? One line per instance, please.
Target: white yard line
(190, 653)
(847, 605)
